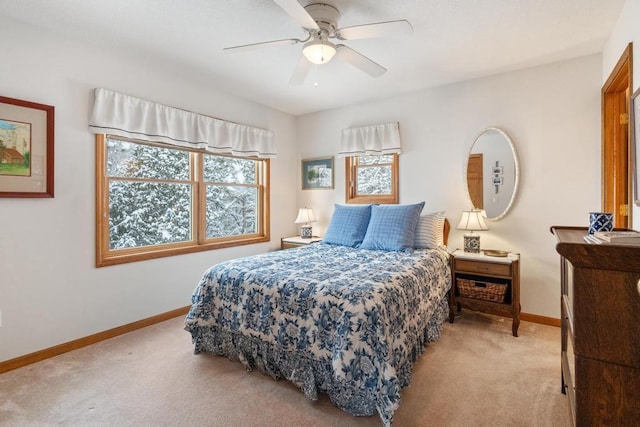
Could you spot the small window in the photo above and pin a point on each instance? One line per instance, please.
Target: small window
(372, 179)
(154, 201)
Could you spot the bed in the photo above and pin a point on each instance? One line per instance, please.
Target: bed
(331, 318)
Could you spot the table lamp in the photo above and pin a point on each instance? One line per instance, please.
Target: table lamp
(472, 220)
(305, 217)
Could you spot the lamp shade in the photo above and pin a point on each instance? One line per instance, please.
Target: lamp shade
(319, 51)
(472, 220)
(305, 215)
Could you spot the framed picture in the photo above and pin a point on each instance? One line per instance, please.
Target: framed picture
(26, 148)
(635, 140)
(497, 170)
(317, 174)
(497, 180)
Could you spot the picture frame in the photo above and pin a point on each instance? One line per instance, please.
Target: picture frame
(317, 173)
(496, 170)
(635, 137)
(26, 148)
(497, 180)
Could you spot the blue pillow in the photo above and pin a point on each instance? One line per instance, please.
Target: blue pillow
(392, 227)
(348, 225)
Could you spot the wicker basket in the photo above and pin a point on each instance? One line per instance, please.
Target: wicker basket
(482, 290)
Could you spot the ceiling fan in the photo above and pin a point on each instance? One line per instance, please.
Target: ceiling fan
(319, 21)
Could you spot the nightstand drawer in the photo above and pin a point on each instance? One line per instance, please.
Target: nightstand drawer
(297, 241)
(285, 245)
(483, 267)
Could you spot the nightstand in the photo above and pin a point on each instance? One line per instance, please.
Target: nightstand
(487, 284)
(297, 241)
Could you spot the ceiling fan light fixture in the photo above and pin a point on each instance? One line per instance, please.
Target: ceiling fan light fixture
(319, 51)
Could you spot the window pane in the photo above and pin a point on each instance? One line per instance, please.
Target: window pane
(231, 210)
(373, 180)
(375, 160)
(229, 170)
(148, 213)
(130, 160)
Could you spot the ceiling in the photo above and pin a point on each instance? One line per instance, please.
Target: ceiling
(453, 40)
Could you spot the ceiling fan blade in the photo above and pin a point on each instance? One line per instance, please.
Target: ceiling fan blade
(359, 61)
(301, 72)
(379, 29)
(298, 13)
(261, 45)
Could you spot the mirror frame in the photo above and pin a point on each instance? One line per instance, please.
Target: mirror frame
(516, 170)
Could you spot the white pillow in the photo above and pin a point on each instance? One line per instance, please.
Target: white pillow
(430, 231)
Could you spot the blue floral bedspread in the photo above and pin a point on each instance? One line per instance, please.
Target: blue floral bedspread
(333, 319)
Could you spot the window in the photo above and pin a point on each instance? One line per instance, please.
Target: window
(154, 201)
(372, 179)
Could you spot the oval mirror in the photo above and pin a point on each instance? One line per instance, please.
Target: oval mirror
(492, 173)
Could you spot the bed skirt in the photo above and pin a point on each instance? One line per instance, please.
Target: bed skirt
(314, 376)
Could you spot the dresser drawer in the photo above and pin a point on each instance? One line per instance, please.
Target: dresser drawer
(483, 267)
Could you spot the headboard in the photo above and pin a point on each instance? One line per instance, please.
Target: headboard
(447, 228)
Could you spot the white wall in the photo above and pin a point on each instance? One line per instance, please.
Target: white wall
(50, 291)
(552, 113)
(626, 30)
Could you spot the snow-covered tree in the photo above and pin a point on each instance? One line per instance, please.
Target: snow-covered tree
(150, 195)
(145, 209)
(374, 175)
(231, 209)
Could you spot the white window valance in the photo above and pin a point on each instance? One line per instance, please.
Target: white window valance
(371, 140)
(122, 115)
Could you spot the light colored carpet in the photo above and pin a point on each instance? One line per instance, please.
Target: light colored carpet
(477, 374)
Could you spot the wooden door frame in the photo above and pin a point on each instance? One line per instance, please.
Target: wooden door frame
(476, 157)
(615, 98)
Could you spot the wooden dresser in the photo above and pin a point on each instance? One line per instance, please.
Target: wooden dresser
(600, 302)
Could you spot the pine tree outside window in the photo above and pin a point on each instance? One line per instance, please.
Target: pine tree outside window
(154, 201)
(372, 179)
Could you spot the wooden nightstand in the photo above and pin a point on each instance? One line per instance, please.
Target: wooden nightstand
(481, 275)
(297, 241)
